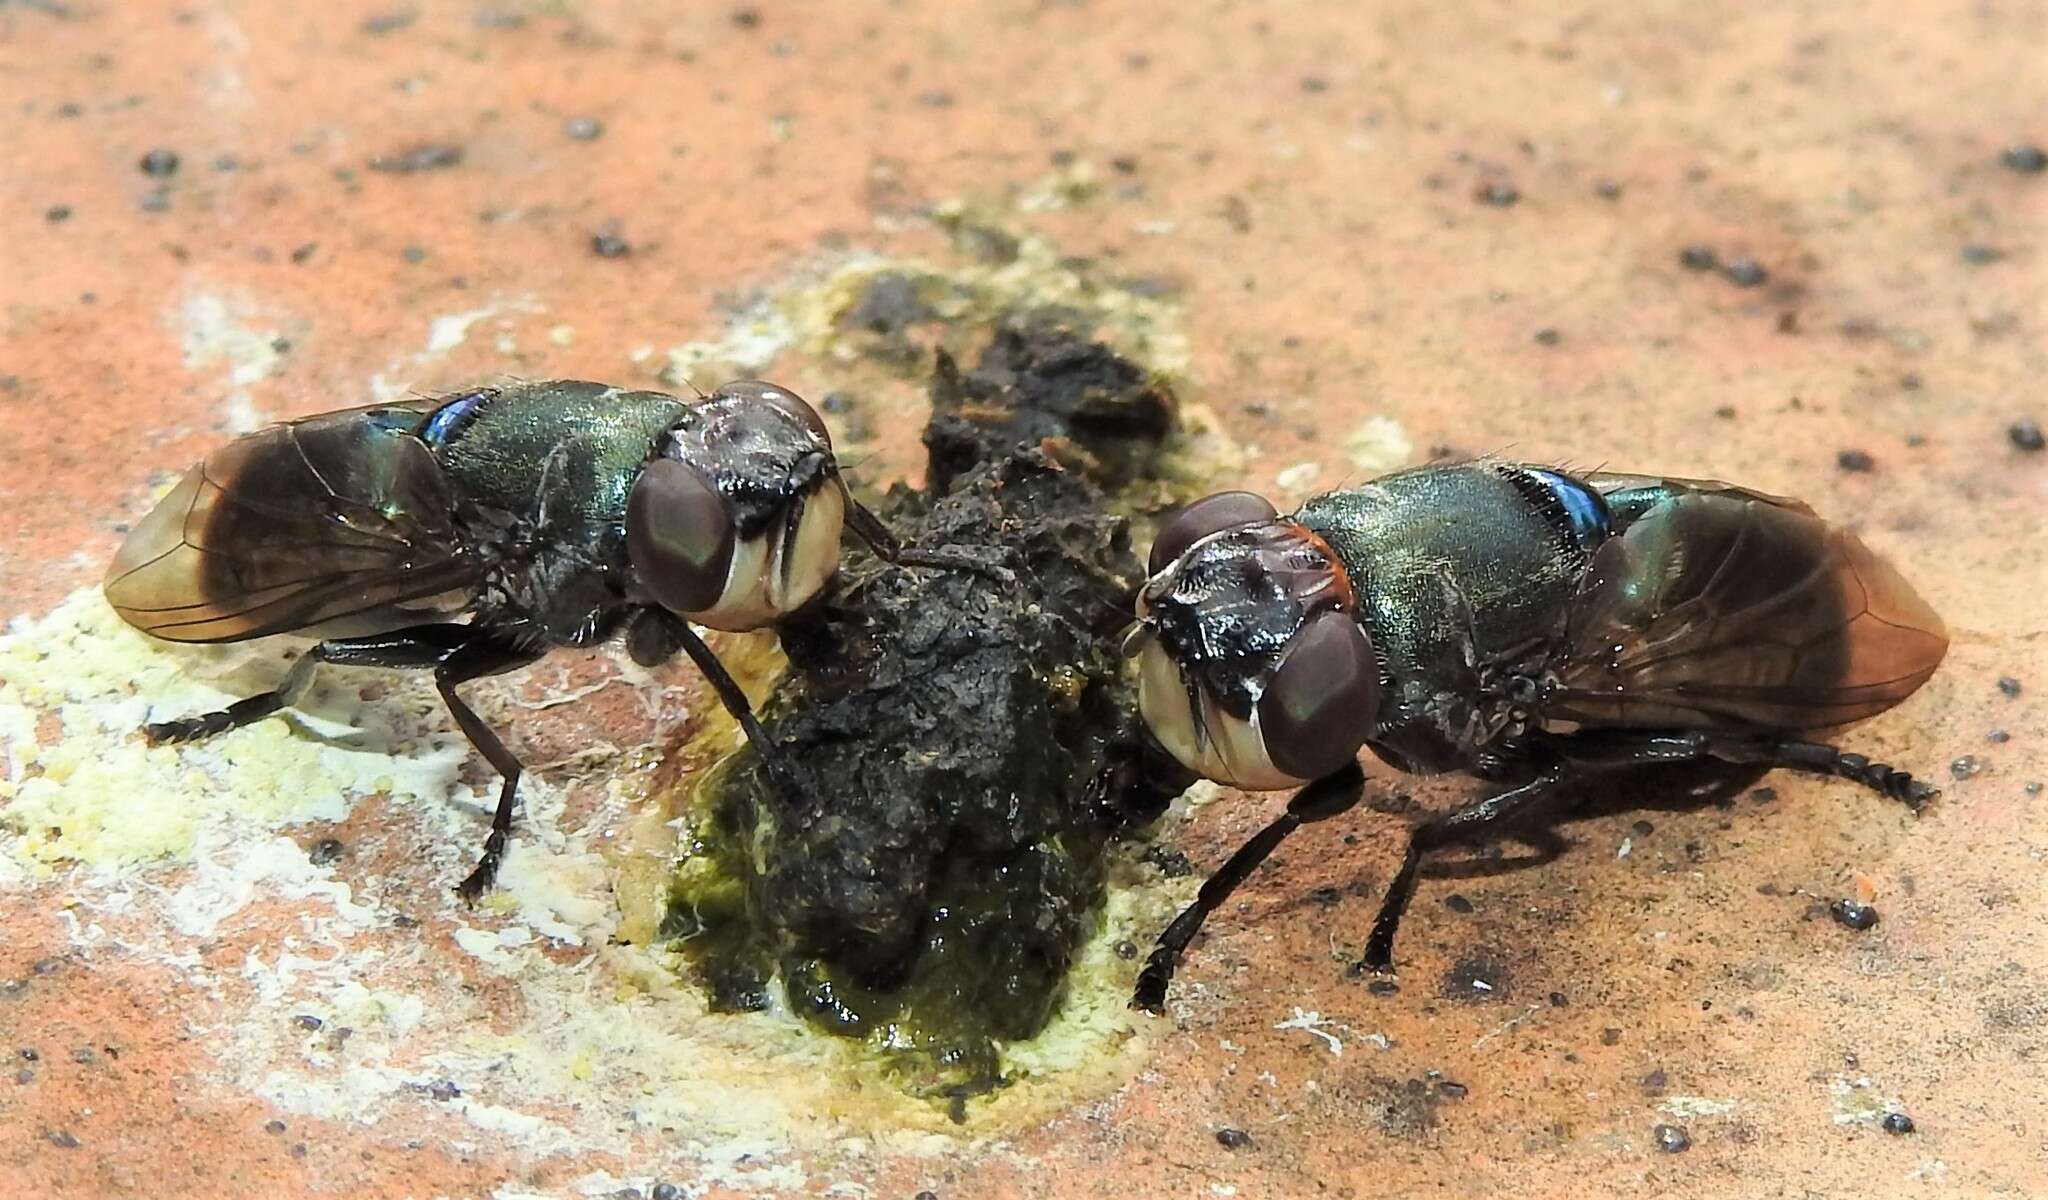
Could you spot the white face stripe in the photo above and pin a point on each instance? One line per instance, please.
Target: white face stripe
(771, 575)
(1228, 750)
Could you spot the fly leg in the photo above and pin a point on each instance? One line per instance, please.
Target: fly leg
(1576, 753)
(1325, 798)
(890, 549)
(484, 655)
(736, 703)
(420, 646)
(1615, 749)
(455, 653)
(1460, 824)
(241, 712)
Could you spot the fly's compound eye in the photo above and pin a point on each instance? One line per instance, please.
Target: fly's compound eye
(777, 396)
(679, 536)
(1210, 514)
(1322, 701)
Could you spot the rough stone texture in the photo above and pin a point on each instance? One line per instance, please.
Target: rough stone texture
(1335, 267)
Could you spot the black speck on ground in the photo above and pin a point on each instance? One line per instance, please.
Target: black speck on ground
(1857, 461)
(1671, 1139)
(610, 245)
(669, 1191)
(747, 18)
(1745, 272)
(2025, 434)
(1548, 337)
(326, 851)
(1896, 1123)
(2025, 157)
(1698, 258)
(1457, 903)
(1497, 194)
(583, 129)
(382, 23)
(1964, 766)
(2009, 686)
(427, 156)
(1475, 977)
(1851, 915)
(57, 213)
(1233, 1139)
(1976, 254)
(159, 163)
(1998, 737)
(63, 1139)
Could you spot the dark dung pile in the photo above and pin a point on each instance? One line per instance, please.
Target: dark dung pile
(968, 745)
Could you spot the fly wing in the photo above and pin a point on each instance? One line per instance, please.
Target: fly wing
(335, 520)
(1723, 608)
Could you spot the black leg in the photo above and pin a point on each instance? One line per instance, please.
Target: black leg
(1602, 749)
(474, 660)
(241, 712)
(418, 646)
(1457, 825)
(869, 528)
(1324, 798)
(456, 653)
(742, 710)
(1620, 749)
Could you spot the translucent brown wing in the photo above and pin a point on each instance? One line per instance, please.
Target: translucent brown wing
(337, 521)
(1719, 607)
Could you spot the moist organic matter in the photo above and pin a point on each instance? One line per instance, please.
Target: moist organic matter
(966, 739)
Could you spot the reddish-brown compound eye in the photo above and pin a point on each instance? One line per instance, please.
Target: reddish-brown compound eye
(780, 397)
(679, 536)
(1211, 514)
(1323, 699)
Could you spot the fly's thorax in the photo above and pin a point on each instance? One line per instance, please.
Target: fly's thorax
(735, 520)
(1253, 669)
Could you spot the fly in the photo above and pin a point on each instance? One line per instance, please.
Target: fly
(1516, 623)
(472, 534)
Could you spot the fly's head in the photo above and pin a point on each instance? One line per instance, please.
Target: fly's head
(1253, 667)
(735, 521)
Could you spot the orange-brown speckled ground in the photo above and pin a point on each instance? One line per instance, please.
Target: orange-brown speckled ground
(1307, 180)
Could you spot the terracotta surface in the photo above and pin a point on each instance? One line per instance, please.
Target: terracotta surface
(1309, 185)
